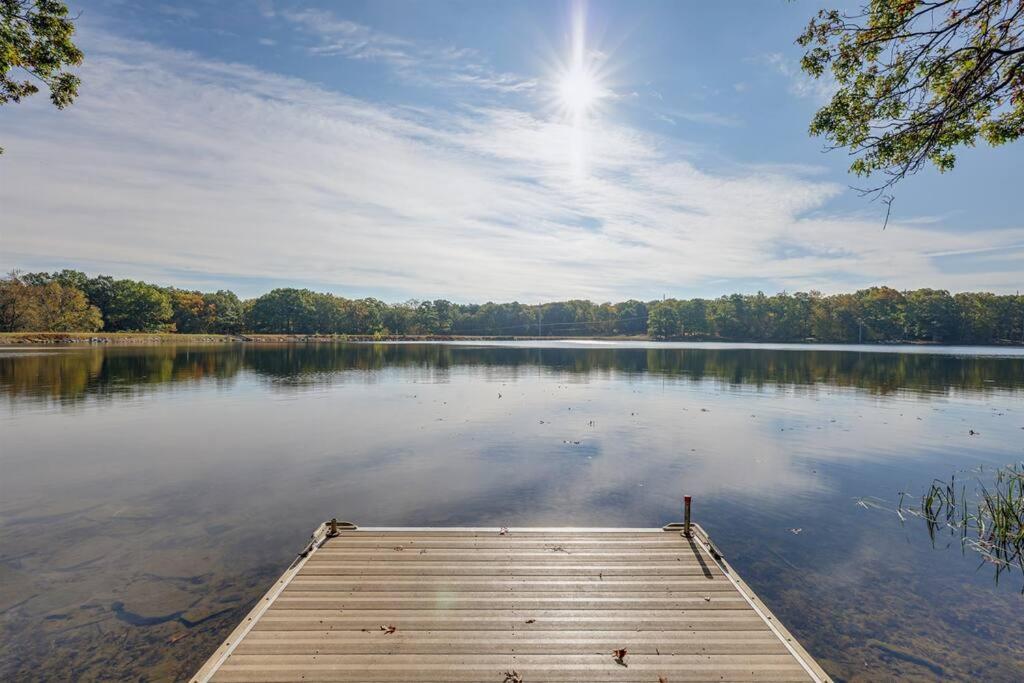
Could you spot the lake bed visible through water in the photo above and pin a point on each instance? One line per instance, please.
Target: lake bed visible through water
(149, 495)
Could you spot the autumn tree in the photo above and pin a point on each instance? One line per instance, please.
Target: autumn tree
(35, 302)
(15, 303)
(59, 308)
(917, 80)
(36, 48)
(191, 312)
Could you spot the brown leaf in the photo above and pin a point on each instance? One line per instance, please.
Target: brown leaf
(389, 629)
(530, 621)
(503, 531)
(620, 656)
(662, 679)
(399, 547)
(512, 676)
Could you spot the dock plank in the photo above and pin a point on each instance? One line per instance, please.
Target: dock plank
(474, 604)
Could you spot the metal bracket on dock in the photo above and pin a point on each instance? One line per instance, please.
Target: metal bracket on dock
(334, 526)
(323, 532)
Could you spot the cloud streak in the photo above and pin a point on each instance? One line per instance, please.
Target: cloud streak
(186, 170)
(417, 62)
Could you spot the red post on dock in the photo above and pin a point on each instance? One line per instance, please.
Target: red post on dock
(686, 515)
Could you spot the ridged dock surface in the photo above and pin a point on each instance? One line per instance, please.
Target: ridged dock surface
(510, 605)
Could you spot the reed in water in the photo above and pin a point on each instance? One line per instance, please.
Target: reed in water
(989, 519)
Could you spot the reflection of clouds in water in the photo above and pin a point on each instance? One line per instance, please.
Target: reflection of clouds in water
(227, 460)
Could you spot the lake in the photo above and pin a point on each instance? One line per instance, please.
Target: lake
(149, 495)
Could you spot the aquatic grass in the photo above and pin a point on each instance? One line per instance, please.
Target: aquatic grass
(989, 519)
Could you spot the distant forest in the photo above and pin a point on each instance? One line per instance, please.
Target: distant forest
(71, 301)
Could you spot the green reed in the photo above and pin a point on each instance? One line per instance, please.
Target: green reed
(989, 518)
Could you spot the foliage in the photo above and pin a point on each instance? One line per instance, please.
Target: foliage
(917, 79)
(15, 303)
(27, 304)
(876, 314)
(137, 307)
(284, 310)
(663, 321)
(64, 309)
(35, 45)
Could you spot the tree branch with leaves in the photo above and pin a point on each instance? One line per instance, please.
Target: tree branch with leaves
(36, 49)
(917, 80)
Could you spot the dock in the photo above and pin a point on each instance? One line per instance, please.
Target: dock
(519, 605)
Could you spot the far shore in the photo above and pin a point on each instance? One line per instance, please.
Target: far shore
(156, 338)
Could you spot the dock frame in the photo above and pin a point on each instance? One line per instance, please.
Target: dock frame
(511, 605)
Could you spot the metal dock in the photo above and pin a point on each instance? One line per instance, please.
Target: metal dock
(509, 606)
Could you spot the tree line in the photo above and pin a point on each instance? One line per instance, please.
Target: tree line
(71, 301)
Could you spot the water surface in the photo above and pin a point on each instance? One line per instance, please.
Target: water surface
(149, 495)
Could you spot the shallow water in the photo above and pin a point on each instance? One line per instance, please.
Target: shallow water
(148, 496)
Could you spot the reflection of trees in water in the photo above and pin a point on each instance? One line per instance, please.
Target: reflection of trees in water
(80, 373)
(74, 374)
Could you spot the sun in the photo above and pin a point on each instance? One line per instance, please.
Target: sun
(579, 91)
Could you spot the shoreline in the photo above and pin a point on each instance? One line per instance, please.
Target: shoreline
(35, 339)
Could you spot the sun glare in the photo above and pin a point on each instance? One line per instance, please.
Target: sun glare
(579, 91)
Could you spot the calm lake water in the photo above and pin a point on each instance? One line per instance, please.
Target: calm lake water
(148, 496)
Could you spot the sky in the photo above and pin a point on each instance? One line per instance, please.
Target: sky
(475, 151)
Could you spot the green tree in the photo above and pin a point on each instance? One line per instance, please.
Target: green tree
(285, 310)
(979, 317)
(836, 318)
(135, 306)
(917, 79)
(36, 47)
(931, 315)
(882, 311)
(228, 312)
(729, 317)
(662, 320)
(100, 292)
(632, 317)
(693, 317)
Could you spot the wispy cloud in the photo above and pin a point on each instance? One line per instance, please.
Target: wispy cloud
(801, 84)
(171, 164)
(184, 13)
(415, 61)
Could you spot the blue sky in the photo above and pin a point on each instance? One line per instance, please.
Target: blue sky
(474, 151)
